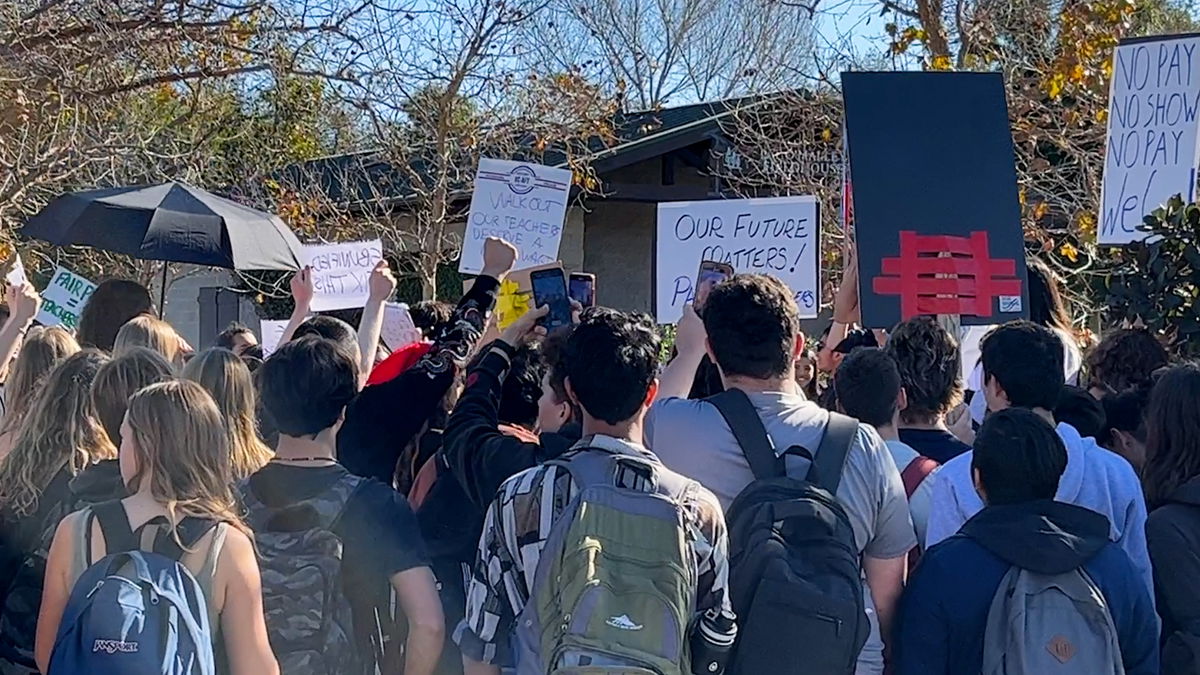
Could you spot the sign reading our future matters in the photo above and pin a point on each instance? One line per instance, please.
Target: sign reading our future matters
(776, 236)
(522, 203)
(1153, 149)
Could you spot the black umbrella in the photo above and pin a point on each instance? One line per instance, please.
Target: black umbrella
(171, 222)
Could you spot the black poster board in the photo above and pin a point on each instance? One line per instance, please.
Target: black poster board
(936, 215)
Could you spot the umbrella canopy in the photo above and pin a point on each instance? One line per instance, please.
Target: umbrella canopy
(172, 222)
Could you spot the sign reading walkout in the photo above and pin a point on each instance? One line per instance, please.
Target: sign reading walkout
(341, 272)
(64, 298)
(936, 217)
(1153, 147)
(524, 204)
(775, 236)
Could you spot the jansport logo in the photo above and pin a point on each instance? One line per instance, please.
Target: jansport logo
(624, 623)
(114, 646)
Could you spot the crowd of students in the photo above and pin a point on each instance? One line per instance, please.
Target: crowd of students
(488, 501)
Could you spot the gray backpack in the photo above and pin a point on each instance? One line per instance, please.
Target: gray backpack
(308, 616)
(615, 587)
(1043, 624)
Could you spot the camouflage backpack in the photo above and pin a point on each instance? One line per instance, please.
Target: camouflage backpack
(615, 587)
(308, 616)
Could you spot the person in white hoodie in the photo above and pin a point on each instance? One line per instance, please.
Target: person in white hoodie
(1022, 368)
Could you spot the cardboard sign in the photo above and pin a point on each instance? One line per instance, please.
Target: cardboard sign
(272, 332)
(936, 216)
(524, 204)
(776, 236)
(64, 299)
(398, 328)
(341, 272)
(1152, 149)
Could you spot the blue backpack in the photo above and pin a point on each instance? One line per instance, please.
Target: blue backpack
(135, 611)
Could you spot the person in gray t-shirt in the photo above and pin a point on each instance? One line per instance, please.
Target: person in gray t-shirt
(751, 331)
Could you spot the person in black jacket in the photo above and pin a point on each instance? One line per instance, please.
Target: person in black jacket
(1172, 482)
(386, 417)
(485, 444)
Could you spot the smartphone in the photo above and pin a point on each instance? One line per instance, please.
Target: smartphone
(582, 289)
(711, 273)
(550, 289)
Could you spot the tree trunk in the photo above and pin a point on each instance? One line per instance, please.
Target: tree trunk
(428, 279)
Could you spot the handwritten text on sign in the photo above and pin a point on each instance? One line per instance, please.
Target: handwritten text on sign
(524, 204)
(776, 236)
(64, 299)
(1152, 150)
(341, 272)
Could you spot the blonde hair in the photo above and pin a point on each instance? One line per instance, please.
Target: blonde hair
(181, 447)
(228, 380)
(44, 349)
(151, 333)
(59, 432)
(121, 378)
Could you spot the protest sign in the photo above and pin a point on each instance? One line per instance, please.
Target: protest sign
(936, 217)
(1152, 149)
(272, 333)
(524, 204)
(341, 272)
(398, 328)
(776, 236)
(64, 299)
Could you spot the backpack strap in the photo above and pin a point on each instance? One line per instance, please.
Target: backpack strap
(826, 469)
(747, 427)
(114, 526)
(190, 531)
(915, 473)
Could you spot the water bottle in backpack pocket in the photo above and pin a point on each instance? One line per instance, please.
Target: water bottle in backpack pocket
(135, 611)
(308, 617)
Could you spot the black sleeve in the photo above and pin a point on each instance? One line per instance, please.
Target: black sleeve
(382, 420)
(380, 533)
(479, 455)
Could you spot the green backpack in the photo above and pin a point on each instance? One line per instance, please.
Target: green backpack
(615, 589)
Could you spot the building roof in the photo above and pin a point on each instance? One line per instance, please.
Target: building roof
(366, 177)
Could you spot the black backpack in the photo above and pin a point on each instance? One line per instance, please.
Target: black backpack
(795, 577)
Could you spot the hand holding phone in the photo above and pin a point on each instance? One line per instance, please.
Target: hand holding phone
(711, 273)
(550, 290)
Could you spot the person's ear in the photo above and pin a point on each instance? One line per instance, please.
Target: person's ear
(800, 343)
(901, 400)
(651, 393)
(978, 485)
(570, 391)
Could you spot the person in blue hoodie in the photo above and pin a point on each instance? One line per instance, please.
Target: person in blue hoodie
(1022, 368)
(1017, 466)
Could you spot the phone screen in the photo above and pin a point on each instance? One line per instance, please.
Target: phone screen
(550, 288)
(711, 274)
(583, 289)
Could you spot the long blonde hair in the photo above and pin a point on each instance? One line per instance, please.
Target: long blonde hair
(60, 432)
(44, 349)
(181, 447)
(121, 378)
(151, 333)
(229, 382)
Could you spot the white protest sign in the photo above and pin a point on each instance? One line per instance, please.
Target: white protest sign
(64, 298)
(398, 328)
(1152, 150)
(16, 275)
(776, 236)
(341, 272)
(272, 333)
(524, 204)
